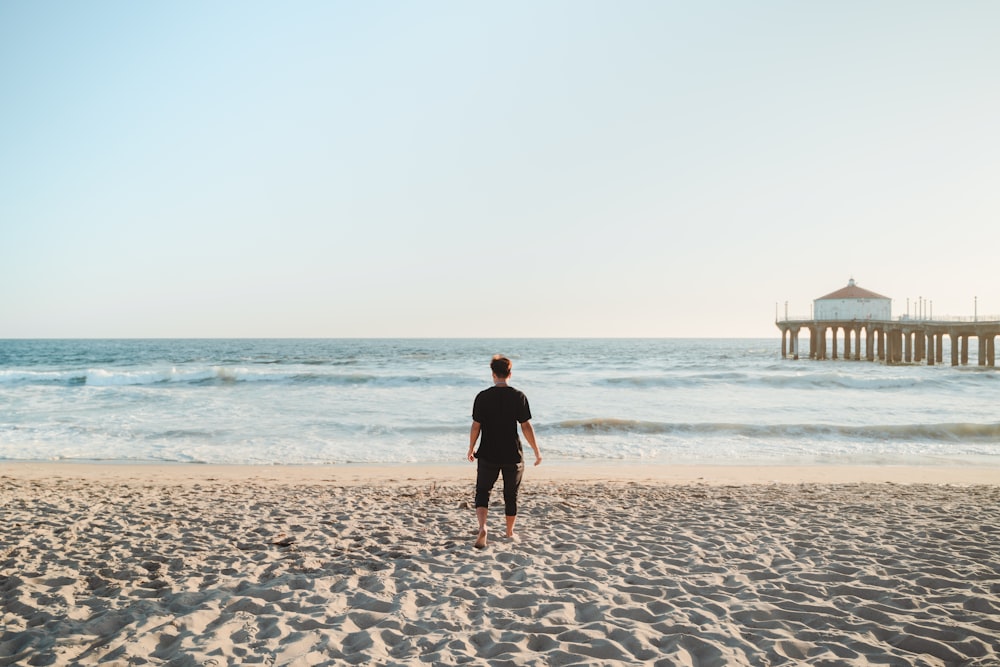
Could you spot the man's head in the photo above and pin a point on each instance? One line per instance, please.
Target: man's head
(501, 366)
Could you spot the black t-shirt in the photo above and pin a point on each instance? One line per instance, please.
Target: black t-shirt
(499, 410)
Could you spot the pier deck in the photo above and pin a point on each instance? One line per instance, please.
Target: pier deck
(893, 341)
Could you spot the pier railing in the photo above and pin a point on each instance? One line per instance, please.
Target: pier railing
(950, 318)
(936, 319)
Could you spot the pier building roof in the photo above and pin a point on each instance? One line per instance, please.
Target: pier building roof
(852, 291)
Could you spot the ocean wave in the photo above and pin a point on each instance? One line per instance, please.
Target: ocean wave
(676, 380)
(862, 382)
(946, 432)
(805, 381)
(12, 377)
(219, 375)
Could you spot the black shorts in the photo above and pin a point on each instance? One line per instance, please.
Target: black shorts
(486, 477)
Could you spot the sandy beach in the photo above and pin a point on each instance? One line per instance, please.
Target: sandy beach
(217, 565)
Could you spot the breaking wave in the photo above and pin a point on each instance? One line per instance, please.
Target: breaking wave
(219, 375)
(954, 432)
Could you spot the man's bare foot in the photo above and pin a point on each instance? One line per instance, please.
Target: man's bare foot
(481, 540)
(513, 537)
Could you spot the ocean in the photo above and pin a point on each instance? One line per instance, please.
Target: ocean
(683, 401)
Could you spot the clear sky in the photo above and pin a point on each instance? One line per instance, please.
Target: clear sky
(451, 169)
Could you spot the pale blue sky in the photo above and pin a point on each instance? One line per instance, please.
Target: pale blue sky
(509, 169)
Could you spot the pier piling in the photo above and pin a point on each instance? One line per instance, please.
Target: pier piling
(894, 341)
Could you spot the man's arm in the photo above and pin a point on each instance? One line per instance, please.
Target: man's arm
(473, 436)
(529, 435)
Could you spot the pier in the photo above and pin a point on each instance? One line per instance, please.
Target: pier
(899, 341)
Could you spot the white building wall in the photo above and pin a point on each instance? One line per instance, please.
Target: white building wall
(852, 309)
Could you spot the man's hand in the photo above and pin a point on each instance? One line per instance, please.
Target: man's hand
(529, 435)
(473, 437)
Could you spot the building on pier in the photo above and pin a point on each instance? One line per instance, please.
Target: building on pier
(864, 319)
(852, 303)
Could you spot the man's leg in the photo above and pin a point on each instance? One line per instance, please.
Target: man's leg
(511, 484)
(486, 477)
(510, 525)
(481, 518)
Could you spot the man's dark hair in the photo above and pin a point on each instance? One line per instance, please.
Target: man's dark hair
(501, 366)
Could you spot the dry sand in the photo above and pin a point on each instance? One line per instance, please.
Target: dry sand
(205, 565)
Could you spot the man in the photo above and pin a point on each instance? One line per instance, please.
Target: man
(495, 415)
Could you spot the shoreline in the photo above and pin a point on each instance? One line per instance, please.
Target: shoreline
(562, 472)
